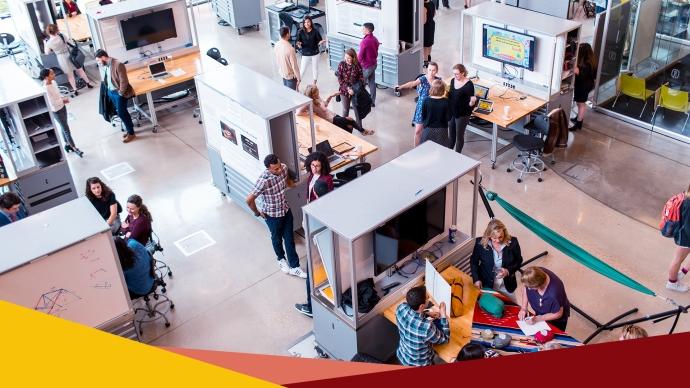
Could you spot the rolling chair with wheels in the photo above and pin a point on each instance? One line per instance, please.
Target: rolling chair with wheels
(353, 172)
(633, 87)
(675, 100)
(161, 267)
(152, 311)
(542, 140)
(222, 61)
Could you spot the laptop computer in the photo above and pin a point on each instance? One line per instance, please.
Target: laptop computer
(325, 148)
(158, 70)
(485, 106)
(481, 91)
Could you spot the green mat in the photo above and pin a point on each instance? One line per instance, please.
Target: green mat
(568, 247)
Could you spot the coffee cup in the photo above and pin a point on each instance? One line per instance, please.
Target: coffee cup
(506, 111)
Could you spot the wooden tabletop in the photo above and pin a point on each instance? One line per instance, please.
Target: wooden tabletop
(502, 97)
(335, 135)
(78, 27)
(141, 80)
(460, 327)
(5, 181)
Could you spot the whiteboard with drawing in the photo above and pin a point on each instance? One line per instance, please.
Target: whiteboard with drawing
(79, 279)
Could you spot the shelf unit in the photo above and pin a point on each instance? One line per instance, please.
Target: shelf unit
(238, 13)
(30, 147)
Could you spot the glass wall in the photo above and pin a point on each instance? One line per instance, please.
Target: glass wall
(644, 64)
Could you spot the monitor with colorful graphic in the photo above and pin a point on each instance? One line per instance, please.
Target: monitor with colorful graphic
(509, 47)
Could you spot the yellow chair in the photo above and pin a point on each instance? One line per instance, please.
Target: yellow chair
(675, 100)
(633, 87)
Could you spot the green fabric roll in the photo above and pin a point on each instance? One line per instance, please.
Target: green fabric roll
(569, 248)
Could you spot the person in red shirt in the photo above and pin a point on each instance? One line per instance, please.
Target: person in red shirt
(368, 57)
(137, 225)
(71, 8)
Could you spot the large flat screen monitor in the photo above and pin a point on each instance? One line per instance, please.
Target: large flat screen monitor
(509, 47)
(148, 29)
(409, 231)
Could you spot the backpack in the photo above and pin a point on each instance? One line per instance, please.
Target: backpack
(367, 297)
(670, 216)
(362, 100)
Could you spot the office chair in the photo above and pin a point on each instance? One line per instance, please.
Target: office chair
(287, 20)
(6, 45)
(633, 87)
(544, 134)
(353, 172)
(153, 311)
(222, 61)
(213, 53)
(161, 267)
(675, 100)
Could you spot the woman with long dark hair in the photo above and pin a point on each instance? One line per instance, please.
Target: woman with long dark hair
(585, 74)
(308, 40)
(103, 199)
(319, 169)
(137, 225)
(136, 266)
(461, 99)
(423, 85)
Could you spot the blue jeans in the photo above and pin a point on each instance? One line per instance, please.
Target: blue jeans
(290, 83)
(122, 112)
(281, 230)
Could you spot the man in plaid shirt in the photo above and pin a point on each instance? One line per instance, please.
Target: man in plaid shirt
(417, 333)
(275, 211)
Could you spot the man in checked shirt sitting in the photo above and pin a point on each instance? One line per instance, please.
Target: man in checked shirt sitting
(420, 328)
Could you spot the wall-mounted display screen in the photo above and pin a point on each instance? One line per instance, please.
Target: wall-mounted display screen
(509, 47)
(148, 29)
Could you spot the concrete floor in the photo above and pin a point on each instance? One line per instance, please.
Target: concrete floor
(232, 295)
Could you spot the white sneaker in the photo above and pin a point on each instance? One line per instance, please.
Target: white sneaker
(676, 286)
(297, 271)
(283, 264)
(681, 275)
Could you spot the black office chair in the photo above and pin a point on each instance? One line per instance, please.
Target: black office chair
(533, 146)
(287, 20)
(353, 172)
(153, 311)
(214, 53)
(161, 267)
(6, 44)
(222, 61)
(338, 182)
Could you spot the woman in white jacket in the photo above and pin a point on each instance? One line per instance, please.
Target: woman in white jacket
(56, 43)
(57, 102)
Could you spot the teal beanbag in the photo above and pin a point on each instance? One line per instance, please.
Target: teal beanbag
(491, 305)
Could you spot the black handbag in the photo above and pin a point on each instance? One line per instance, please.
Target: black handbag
(76, 56)
(367, 297)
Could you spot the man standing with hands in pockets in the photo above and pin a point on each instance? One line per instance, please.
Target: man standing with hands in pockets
(271, 186)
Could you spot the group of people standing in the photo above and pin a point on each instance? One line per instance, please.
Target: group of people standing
(355, 71)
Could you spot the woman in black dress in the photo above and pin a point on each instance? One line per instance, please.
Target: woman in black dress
(585, 73)
(436, 115)
(429, 29)
(461, 99)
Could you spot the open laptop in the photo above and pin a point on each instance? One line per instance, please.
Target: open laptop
(481, 92)
(485, 106)
(158, 70)
(325, 148)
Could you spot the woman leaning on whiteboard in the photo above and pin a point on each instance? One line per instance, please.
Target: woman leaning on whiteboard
(682, 239)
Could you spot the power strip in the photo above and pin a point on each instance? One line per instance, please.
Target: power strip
(162, 58)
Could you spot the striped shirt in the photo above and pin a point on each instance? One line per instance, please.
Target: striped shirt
(417, 335)
(271, 188)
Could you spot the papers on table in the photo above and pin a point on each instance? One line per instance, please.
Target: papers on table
(178, 72)
(437, 286)
(533, 329)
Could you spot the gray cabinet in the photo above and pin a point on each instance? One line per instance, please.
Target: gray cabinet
(238, 13)
(46, 188)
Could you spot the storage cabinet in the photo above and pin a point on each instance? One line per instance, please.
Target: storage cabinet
(238, 13)
(29, 143)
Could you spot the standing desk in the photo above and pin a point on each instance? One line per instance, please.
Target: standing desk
(142, 83)
(519, 109)
(77, 27)
(335, 135)
(460, 327)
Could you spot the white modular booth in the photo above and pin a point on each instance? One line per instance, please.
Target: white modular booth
(398, 27)
(136, 32)
(520, 49)
(380, 226)
(241, 128)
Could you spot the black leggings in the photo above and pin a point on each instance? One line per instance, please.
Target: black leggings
(347, 124)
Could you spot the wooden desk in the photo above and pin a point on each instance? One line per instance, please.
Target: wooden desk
(5, 181)
(460, 327)
(335, 135)
(518, 110)
(143, 83)
(78, 27)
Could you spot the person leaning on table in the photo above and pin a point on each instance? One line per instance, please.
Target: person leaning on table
(495, 259)
(418, 334)
(545, 293)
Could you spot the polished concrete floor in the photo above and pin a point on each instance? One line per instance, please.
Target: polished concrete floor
(232, 296)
